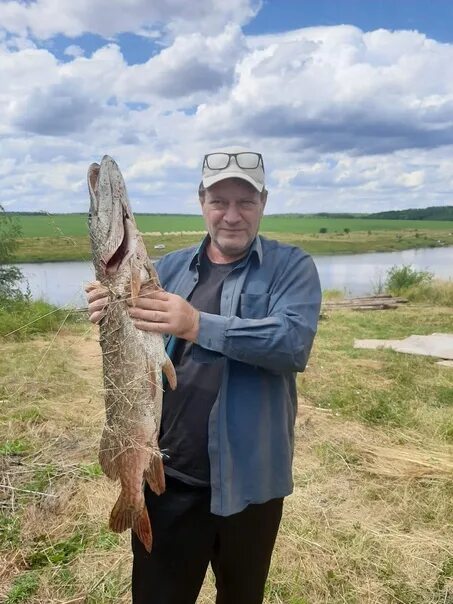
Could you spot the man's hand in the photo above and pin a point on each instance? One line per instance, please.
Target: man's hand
(97, 297)
(162, 312)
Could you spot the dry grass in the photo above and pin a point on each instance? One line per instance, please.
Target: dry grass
(370, 518)
(437, 292)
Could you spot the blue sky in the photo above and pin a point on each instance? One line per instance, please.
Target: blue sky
(349, 100)
(432, 17)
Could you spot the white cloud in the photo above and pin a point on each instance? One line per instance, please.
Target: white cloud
(412, 179)
(74, 51)
(346, 120)
(193, 65)
(46, 18)
(338, 89)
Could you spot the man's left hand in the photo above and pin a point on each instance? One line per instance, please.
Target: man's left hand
(162, 312)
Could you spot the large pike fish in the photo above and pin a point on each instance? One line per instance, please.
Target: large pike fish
(133, 360)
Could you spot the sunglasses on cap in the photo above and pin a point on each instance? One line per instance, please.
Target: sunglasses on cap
(246, 160)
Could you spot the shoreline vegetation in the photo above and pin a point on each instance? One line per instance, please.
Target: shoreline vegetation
(370, 517)
(64, 237)
(77, 248)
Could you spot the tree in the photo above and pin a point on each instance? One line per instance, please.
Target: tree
(10, 230)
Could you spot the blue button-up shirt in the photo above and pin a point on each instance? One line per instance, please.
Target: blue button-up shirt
(269, 310)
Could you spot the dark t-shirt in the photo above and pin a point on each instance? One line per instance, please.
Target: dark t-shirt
(185, 415)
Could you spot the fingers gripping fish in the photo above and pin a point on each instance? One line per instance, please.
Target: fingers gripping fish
(133, 360)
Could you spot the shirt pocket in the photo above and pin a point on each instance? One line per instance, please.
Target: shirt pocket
(254, 306)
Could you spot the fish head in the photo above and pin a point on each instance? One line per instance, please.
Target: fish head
(113, 232)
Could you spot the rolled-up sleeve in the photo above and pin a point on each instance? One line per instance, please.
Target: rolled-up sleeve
(281, 341)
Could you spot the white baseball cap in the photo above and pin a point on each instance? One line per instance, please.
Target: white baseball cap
(233, 162)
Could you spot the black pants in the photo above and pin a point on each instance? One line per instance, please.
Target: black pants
(186, 537)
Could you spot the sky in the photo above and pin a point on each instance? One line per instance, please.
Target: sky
(349, 101)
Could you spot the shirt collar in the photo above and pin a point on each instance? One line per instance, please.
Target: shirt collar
(256, 249)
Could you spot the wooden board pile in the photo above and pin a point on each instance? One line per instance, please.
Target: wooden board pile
(377, 302)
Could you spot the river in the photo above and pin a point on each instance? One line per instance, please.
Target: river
(61, 283)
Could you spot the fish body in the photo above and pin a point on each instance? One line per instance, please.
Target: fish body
(133, 360)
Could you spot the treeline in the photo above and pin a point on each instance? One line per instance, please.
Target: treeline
(431, 213)
(42, 213)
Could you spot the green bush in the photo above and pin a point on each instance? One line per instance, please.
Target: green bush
(9, 275)
(21, 317)
(323, 230)
(400, 278)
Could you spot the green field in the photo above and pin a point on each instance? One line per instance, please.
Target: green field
(73, 225)
(63, 237)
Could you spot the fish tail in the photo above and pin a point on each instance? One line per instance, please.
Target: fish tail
(125, 516)
(155, 475)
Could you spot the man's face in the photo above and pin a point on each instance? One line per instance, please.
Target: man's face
(232, 210)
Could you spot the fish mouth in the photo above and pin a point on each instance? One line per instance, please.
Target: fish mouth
(110, 220)
(116, 258)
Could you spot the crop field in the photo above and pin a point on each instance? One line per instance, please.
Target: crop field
(50, 238)
(369, 521)
(73, 225)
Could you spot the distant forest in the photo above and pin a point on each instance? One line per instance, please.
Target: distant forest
(432, 213)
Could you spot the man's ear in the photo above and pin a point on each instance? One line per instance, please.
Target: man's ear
(264, 197)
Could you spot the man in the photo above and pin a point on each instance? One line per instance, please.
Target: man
(240, 314)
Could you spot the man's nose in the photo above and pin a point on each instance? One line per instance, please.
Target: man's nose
(232, 213)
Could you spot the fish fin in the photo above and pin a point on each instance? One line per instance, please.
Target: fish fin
(142, 528)
(170, 372)
(108, 454)
(136, 283)
(153, 281)
(124, 516)
(155, 475)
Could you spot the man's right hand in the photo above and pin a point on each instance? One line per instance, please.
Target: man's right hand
(97, 297)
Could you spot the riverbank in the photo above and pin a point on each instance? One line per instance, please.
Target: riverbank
(76, 248)
(369, 520)
(61, 283)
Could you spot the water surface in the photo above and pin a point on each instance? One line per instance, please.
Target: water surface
(61, 283)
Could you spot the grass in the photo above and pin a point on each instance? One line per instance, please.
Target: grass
(370, 518)
(64, 237)
(23, 588)
(13, 447)
(22, 318)
(74, 225)
(436, 291)
(77, 247)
